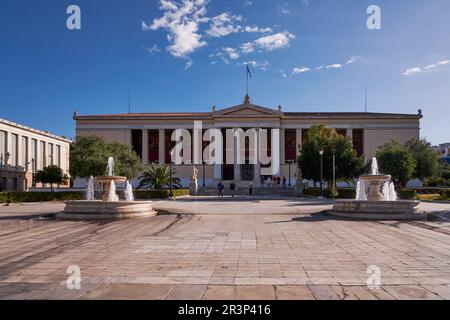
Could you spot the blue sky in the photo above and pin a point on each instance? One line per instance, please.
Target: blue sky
(306, 55)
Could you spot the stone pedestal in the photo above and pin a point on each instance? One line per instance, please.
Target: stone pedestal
(193, 187)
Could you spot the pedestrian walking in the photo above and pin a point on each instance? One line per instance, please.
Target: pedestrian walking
(232, 188)
(220, 187)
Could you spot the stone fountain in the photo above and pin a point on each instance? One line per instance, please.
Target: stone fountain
(376, 199)
(110, 206)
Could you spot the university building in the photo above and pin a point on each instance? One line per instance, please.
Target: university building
(150, 134)
(24, 150)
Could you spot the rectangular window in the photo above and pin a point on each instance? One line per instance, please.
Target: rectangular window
(58, 156)
(24, 159)
(41, 163)
(34, 154)
(290, 142)
(358, 141)
(51, 155)
(13, 150)
(153, 146)
(3, 144)
(136, 142)
(342, 132)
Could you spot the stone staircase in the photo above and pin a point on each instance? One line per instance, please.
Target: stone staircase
(243, 190)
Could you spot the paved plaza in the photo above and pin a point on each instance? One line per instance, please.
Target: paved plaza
(242, 248)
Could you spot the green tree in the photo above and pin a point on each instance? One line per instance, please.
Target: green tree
(348, 164)
(89, 156)
(158, 177)
(52, 175)
(427, 159)
(396, 159)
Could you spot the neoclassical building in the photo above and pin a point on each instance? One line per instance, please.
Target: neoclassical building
(150, 134)
(24, 150)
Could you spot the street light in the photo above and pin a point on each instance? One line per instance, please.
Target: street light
(321, 172)
(170, 168)
(290, 162)
(203, 163)
(334, 175)
(1, 168)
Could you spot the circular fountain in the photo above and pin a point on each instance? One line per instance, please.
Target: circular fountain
(110, 207)
(376, 199)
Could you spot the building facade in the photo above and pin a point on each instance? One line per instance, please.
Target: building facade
(24, 150)
(150, 134)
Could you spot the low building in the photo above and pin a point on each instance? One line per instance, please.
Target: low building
(150, 134)
(444, 151)
(25, 150)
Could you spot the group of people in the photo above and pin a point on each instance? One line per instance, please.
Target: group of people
(273, 181)
(269, 181)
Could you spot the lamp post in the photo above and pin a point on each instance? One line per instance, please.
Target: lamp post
(290, 162)
(321, 172)
(334, 175)
(3, 162)
(170, 168)
(203, 163)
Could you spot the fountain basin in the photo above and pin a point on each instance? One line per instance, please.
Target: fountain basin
(96, 210)
(374, 183)
(378, 210)
(106, 184)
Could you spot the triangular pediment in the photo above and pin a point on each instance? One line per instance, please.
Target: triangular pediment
(247, 110)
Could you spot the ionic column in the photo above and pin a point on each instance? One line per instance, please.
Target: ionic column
(257, 173)
(162, 146)
(282, 146)
(237, 166)
(350, 133)
(144, 146)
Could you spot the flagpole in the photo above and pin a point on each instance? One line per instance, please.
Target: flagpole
(246, 83)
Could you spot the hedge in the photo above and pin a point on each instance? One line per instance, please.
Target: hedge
(159, 194)
(347, 193)
(407, 194)
(16, 197)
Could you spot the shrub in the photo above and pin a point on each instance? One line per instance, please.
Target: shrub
(435, 182)
(347, 193)
(445, 194)
(159, 194)
(407, 194)
(315, 192)
(428, 197)
(17, 197)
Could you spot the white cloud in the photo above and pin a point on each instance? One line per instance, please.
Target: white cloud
(223, 25)
(283, 74)
(232, 53)
(283, 9)
(275, 41)
(247, 47)
(263, 65)
(298, 70)
(188, 64)
(320, 67)
(153, 49)
(417, 70)
(247, 3)
(353, 60)
(182, 21)
(256, 29)
(334, 66)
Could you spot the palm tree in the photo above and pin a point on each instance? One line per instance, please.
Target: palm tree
(158, 177)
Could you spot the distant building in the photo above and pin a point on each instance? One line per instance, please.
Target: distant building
(150, 134)
(444, 151)
(24, 150)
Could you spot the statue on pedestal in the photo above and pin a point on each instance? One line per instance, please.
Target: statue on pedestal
(193, 185)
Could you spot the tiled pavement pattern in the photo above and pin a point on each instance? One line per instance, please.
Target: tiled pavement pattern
(224, 257)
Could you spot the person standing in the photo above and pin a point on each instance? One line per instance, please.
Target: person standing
(220, 186)
(284, 182)
(250, 189)
(232, 188)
